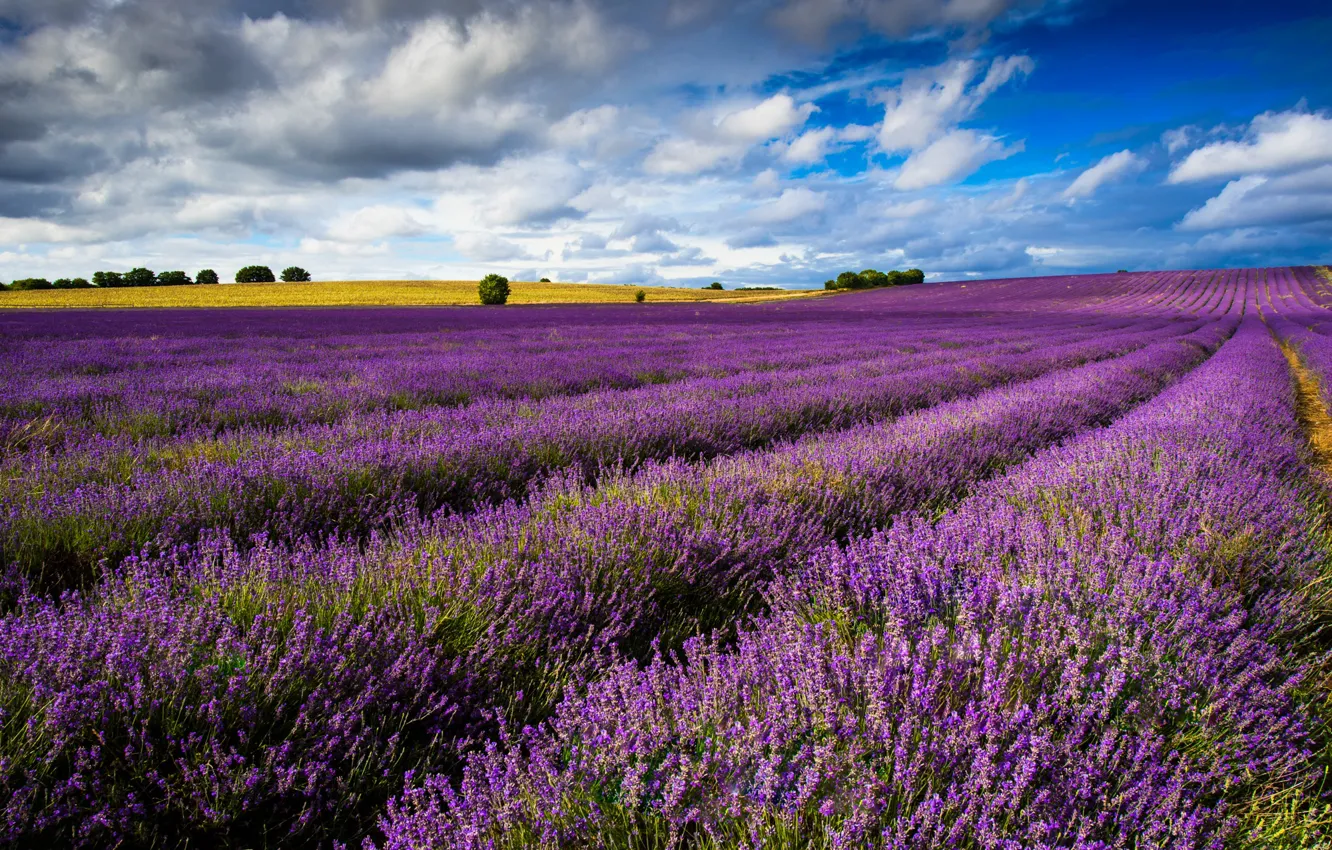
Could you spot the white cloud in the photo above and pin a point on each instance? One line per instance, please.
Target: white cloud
(929, 103)
(789, 206)
(487, 247)
(776, 116)
(1110, 168)
(953, 157)
(1274, 142)
(728, 137)
(370, 224)
(1256, 200)
(19, 231)
(1178, 139)
(688, 156)
(810, 147)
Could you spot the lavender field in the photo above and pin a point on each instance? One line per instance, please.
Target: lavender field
(1036, 563)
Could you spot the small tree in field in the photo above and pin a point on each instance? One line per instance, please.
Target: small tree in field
(494, 289)
(295, 274)
(174, 278)
(140, 277)
(108, 280)
(716, 284)
(544, 280)
(31, 283)
(255, 274)
(640, 296)
(206, 276)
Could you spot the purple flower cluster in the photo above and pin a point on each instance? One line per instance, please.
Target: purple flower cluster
(1019, 563)
(1080, 654)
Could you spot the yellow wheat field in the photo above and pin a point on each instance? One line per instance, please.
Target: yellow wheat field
(367, 293)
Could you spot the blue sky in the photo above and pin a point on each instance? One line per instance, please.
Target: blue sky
(755, 142)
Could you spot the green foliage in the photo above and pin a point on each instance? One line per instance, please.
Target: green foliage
(295, 274)
(759, 289)
(140, 277)
(715, 285)
(851, 280)
(75, 283)
(31, 283)
(544, 280)
(206, 276)
(108, 280)
(255, 274)
(640, 296)
(173, 278)
(872, 279)
(493, 289)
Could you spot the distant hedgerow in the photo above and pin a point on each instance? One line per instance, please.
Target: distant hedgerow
(108, 280)
(493, 289)
(31, 283)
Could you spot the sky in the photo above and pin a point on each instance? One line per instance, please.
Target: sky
(753, 142)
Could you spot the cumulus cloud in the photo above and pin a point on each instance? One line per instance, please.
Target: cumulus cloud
(1110, 168)
(728, 136)
(791, 205)
(380, 221)
(489, 247)
(1273, 142)
(954, 156)
(1256, 200)
(810, 147)
(928, 104)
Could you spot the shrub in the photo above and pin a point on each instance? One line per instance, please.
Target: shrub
(108, 280)
(544, 280)
(206, 276)
(830, 284)
(1123, 271)
(30, 283)
(913, 276)
(140, 277)
(850, 280)
(640, 296)
(174, 278)
(295, 274)
(494, 289)
(873, 278)
(255, 274)
(715, 285)
(67, 283)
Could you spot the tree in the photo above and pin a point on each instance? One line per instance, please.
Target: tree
(108, 280)
(640, 296)
(873, 278)
(176, 278)
(914, 276)
(850, 280)
(295, 274)
(66, 283)
(206, 276)
(830, 284)
(494, 289)
(255, 274)
(544, 280)
(140, 277)
(716, 284)
(31, 283)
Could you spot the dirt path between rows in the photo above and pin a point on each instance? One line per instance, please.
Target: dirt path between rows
(1310, 410)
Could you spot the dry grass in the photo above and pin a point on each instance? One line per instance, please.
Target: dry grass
(1309, 408)
(367, 293)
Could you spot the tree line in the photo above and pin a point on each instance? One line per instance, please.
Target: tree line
(872, 279)
(147, 277)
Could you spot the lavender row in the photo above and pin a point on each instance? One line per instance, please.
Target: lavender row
(1085, 654)
(214, 696)
(154, 387)
(65, 513)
